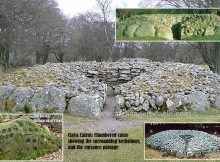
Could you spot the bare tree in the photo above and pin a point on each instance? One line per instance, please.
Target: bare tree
(189, 3)
(210, 52)
(104, 6)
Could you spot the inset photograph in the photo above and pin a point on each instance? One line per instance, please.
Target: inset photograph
(167, 24)
(31, 137)
(182, 141)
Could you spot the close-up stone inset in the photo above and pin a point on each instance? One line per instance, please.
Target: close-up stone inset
(167, 24)
(182, 141)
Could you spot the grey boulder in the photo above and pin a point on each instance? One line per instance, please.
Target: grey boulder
(199, 101)
(84, 105)
(159, 101)
(120, 102)
(50, 99)
(6, 91)
(21, 97)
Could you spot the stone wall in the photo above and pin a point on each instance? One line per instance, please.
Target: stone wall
(115, 75)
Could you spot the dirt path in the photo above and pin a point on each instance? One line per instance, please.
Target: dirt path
(107, 123)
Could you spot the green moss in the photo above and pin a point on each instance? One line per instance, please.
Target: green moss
(33, 77)
(51, 110)
(164, 106)
(28, 108)
(9, 105)
(2, 104)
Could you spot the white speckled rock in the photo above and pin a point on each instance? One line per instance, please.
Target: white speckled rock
(199, 101)
(159, 101)
(6, 91)
(84, 105)
(21, 97)
(49, 99)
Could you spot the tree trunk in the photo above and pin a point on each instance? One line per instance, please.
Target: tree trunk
(4, 55)
(217, 58)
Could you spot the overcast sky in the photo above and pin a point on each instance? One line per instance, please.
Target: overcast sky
(73, 7)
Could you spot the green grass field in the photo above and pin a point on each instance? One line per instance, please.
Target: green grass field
(212, 115)
(204, 38)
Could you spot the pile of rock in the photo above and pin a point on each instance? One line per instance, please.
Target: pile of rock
(170, 87)
(80, 88)
(114, 74)
(172, 141)
(53, 88)
(200, 25)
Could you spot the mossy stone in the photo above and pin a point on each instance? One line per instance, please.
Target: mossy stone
(28, 108)
(130, 30)
(164, 32)
(209, 31)
(9, 106)
(2, 104)
(51, 110)
(145, 30)
(120, 30)
(217, 30)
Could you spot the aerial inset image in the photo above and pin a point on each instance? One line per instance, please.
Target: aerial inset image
(167, 24)
(182, 141)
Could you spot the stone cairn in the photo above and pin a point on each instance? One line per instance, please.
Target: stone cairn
(184, 143)
(80, 88)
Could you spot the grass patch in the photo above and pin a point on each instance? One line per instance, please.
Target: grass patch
(76, 119)
(123, 38)
(151, 153)
(201, 38)
(192, 38)
(212, 115)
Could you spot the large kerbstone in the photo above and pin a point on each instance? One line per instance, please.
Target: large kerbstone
(130, 30)
(84, 105)
(199, 101)
(21, 97)
(120, 30)
(6, 91)
(164, 32)
(145, 30)
(50, 99)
